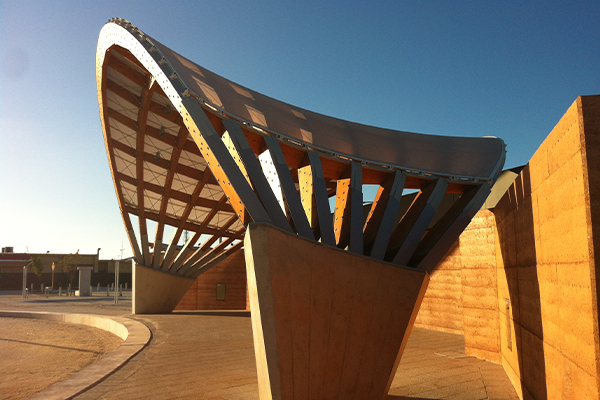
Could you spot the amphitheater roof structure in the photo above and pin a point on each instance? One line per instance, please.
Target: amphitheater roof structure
(195, 155)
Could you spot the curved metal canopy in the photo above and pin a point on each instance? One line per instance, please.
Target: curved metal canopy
(192, 153)
(445, 155)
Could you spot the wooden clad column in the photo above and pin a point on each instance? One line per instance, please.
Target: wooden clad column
(326, 323)
(321, 199)
(415, 222)
(256, 174)
(440, 238)
(221, 163)
(381, 220)
(275, 157)
(348, 214)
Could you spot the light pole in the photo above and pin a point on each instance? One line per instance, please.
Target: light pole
(25, 279)
(97, 259)
(117, 282)
(53, 275)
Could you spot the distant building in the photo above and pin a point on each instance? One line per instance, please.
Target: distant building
(11, 269)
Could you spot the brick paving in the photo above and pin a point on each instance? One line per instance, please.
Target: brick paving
(209, 355)
(434, 366)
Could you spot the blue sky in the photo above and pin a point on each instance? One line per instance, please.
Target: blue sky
(467, 68)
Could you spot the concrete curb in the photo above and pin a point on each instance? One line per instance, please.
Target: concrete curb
(135, 334)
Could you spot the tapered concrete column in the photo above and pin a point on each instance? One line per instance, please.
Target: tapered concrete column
(327, 324)
(156, 292)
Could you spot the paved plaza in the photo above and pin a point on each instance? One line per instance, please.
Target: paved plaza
(209, 355)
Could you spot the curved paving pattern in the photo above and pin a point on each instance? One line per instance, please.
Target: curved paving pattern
(209, 355)
(135, 337)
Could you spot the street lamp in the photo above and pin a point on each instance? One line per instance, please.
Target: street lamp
(53, 275)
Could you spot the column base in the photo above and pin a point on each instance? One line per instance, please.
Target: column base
(156, 292)
(326, 323)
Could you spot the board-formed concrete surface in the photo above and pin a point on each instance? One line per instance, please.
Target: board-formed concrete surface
(326, 324)
(155, 291)
(209, 355)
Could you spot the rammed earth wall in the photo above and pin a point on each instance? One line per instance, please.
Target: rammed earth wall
(202, 295)
(535, 255)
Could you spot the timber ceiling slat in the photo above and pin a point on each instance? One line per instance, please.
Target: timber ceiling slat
(167, 138)
(183, 197)
(122, 133)
(123, 81)
(156, 109)
(134, 76)
(121, 52)
(117, 103)
(123, 93)
(208, 256)
(150, 158)
(221, 204)
(111, 156)
(189, 226)
(179, 262)
(198, 254)
(190, 205)
(167, 113)
(220, 233)
(142, 115)
(168, 186)
(158, 148)
(124, 162)
(209, 264)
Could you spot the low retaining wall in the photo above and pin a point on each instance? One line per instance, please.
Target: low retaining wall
(135, 337)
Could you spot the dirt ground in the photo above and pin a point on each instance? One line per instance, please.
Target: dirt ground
(35, 354)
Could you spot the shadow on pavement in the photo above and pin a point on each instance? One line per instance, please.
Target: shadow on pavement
(235, 313)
